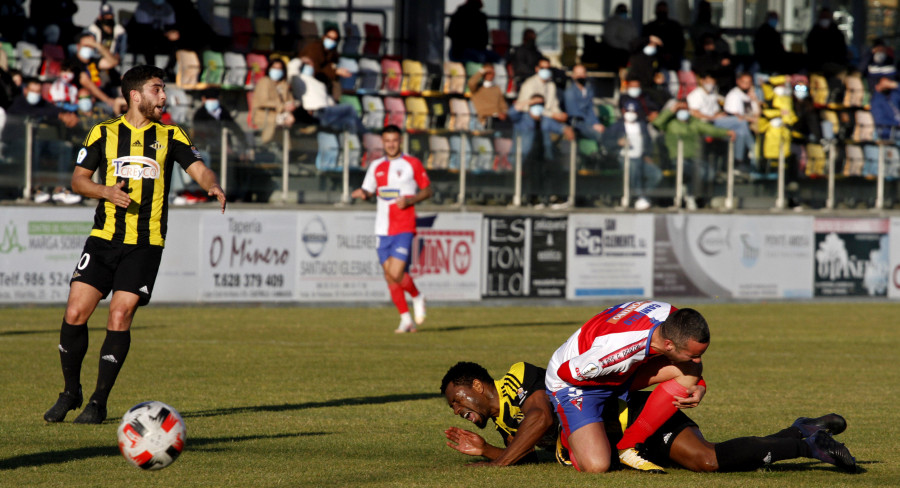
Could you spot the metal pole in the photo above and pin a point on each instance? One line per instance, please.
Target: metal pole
(29, 142)
(626, 176)
(463, 165)
(879, 192)
(517, 192)
(224, 159)
(345, 177)
(779, 198)
(679, 174)
(829, 202)
(729, 189)
(573, 154)
(284, 164)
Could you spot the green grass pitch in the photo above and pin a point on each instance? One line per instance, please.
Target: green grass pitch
(277, 396)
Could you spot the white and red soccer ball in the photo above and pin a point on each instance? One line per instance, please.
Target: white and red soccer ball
(151, 435)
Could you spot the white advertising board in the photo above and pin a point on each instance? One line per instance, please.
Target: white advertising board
(894, 266)
(609, 256)
(445, 261)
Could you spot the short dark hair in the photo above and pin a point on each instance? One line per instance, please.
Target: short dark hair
(332, 28)
(135, 78)
(71, 65)
(81, 36)
(391, 129)
(683, 325)
(30, 80)
(464, 373)
(543, 58)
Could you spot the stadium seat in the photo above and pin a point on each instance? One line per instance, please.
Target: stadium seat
(417, 114)
(53, 58)
(395, 112)
(373, 148)
(235, 71)
(854, 160)
(891, 162)
(187, 69)
(374, 39)
(179, 105)
(213, 68)
(414, 77)
(502, 153)
(482, 154)
(369, 76)
(9, 55)
(29, 58)
(286, 35)
(352, 40)
(241, 34)
(349, 84)
(308, 32)
(434, 75)
(391, 75)
(569, 54)
(373, 112)
(456, 144)
(864, 129)
(417, 143)
(221, 26)
(818, 89)
(460, 116)
(354, 149)
(264, 34)
(454, 78)
(329, 150)
(257, 65)
(500, 42)
(439, 110)
(815, 160)
(438, 152)
(853, 91)
(870, 160)
(353, 101)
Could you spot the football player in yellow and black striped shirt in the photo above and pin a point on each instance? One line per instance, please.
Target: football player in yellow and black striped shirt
(134, 155)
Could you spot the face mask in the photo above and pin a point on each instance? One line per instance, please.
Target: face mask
(633, 92)
(85, 52)
(801, 94)
(85, 105)
(879, 57)
(824, 23)
(623, 15)
(211, 105)
(308, 70)
(67, 77)
(544, 74)
(709, 87)
(776, 122)
(108, 22)
(329, 43)
(32, 98)
(276, 74)
(487, 83)
(773, 23)
(630, 116)
(580, 81)
(158, 2)
(650, 50)
(780, 91)
(536, 110)
(683, 115)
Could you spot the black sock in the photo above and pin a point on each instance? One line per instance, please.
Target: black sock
(112, 356)
(789, 433)
(73, 345)
(750, 453)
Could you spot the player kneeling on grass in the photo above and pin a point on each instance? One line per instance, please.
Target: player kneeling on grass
(523, 416)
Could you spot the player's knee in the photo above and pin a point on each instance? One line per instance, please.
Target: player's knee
(120, 318)
(76, 315)
(702, 461)
(592, 465)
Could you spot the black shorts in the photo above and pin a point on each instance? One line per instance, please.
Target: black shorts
(656, 447)
(109, 266)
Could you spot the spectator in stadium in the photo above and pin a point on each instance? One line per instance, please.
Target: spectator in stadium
(826, 47)
(677, 124)
(109, 33)
(741, 102)
(316, 101)
(399, 182)
(644, 61)
(808, 127)
(153, 30)
(522, 412)
(671, 50)
(541, 83)
(878, 62)
(646, 107)
(209, 120)
(525, 57)
(537, 132)
(33, 105)
(51, 21)
(13, 21)
(703, 103)
(63, 92)
(272, 101)
(768, 49)
(710, 59)
(90, 66)
(629, 137)
(885, 107)
(619, 33)
(488, 99)
(468, 33)
(323, 55)
(579, 102)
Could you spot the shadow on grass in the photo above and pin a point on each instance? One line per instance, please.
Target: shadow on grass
(452, 328)
(55, 331)
(341, 402)
(66, 455)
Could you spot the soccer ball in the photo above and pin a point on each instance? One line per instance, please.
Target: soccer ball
(151, 435)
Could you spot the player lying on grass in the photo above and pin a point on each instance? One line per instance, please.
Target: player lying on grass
(523, 414)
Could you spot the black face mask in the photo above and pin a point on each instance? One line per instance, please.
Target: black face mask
(662, 15)
(580, 81)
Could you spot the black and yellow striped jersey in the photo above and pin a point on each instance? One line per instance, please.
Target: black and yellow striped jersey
(520, 382)
(144, 158)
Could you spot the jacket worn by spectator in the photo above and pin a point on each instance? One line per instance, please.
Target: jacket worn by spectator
(579, 103)
(688, 132)
(488, 100)
(534, 85)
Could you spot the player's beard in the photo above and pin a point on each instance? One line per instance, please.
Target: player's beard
(148, 110)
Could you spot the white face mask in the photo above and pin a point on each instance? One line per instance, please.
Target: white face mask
(67, 77)
(776, 122)
(276, 74)
(683, 115)
(85, 105)
(85, 52)
(709, 87)
(633, 92)
(32, 98)
(307, 70)
(544, 74)
(329, 43)
(536, 110)
(650, 50)
(801, 94)
(780, 91)
(488, 83)
(879, 57)
(630, 116)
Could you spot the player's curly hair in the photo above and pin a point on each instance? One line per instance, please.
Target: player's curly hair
(463, 373)
(135, 78)
(685, 324)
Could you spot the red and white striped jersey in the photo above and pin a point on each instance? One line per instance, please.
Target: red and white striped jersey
(608, 348)
(389, 179)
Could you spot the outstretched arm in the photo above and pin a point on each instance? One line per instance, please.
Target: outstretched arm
(207, 180)
(471, 443)
(538, 418)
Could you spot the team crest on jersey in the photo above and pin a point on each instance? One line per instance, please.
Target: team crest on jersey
(136, 168)
(196, 153)
(156, 146)
(81, 155)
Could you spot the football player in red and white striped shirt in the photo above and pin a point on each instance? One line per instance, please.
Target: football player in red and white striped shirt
(625, 348)
(399, 182)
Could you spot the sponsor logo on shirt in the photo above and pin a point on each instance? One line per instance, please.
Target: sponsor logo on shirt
(156, 146)
(81, 155)
(388, 193)
(136, 168)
